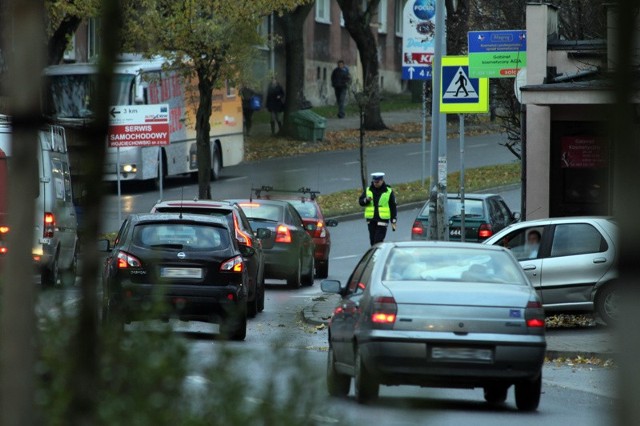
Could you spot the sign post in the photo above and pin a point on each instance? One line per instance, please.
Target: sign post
(417, 54)
(497, 54)
(138, 125)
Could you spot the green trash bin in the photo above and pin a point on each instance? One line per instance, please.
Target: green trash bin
(308, 125)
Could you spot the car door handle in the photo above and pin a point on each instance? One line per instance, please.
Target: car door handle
(529, 267)
(600, 260)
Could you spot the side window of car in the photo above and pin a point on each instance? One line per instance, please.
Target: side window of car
(354, 279)
(497, 216)
(365, 278)
(122, 232)
(505, 211)
(576, 238)
(524, 243)
(295, 217)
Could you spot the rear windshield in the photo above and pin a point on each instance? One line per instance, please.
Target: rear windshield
(452, 264)
(262, 211)
(193, 210)
(472, 208)
(306, 209)
(180, 236)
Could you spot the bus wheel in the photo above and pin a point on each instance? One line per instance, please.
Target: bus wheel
(215, 163)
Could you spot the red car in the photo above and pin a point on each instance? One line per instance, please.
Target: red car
(304, 201)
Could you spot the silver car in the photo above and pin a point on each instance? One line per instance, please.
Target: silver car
(440, 314)
(570, 262)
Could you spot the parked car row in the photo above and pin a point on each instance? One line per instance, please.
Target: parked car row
(208, 260)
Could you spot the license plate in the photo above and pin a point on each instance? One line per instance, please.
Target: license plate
(461, 354)
(181, 273)
(455, 232)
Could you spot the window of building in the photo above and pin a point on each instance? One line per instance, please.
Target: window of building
(263, 30)
(382, 16)
(93, 42)
(399, 16)
(231, 88)
(323, 11)
(70, 51)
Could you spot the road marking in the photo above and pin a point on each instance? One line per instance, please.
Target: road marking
(416, 153)
(480, 145)
(351, 163)
(294, 170)
(235, 178)
(351, 256)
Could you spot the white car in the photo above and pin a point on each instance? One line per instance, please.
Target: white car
(571, 266)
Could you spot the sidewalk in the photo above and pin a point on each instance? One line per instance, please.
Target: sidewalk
(587, 342)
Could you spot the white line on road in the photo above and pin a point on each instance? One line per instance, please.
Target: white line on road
(351, 163)
(416, 153)
(351, 256)
(294, 170)
(236, 178)
(480, 145)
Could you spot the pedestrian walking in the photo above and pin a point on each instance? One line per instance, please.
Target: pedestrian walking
(379, 202)
(462, 84)
(250, 104)
(275, 104)
(340, 80)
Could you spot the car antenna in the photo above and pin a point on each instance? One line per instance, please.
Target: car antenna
(181, 198)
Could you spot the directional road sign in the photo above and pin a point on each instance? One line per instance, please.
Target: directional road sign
(459, 93)
(138, 125)
(418, 34)
(497, 54)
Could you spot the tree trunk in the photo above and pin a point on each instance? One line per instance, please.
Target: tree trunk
(203, 128)
(357, 22)
(457, 26)
(292, 27)
(18, 322)
(60, 39)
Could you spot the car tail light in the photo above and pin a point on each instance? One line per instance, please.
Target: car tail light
(384, 312)
(235, 264)
(4, 229)
(241, 236)
(485, 231)
(321, 231)
(417, 228)
(3, 250)
(125, 261)
(49, 225)
(283, 234)
(534, 314)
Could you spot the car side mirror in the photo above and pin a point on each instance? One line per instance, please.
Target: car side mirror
(247, 251)
(104, 245)
(263, 233)
(516, 216)
(331, 286)
(311, 226)
(331, 222)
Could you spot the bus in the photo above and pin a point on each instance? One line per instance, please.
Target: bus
(68, 99)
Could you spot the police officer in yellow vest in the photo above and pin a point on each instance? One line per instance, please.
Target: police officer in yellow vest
(379, 204)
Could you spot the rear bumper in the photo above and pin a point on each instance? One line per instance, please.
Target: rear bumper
(407, 359)
(321, 252)
(280, 262)
(208, 303)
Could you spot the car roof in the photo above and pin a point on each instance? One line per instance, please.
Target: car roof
(567, 219)
(282, 203)
(472, 196)
(176, 217)
(194, 203)
(441, 244)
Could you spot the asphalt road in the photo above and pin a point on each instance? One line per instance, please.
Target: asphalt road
(326, 171)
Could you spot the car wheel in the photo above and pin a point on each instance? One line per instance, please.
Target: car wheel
(252, 305)
(50, 274)
(608, 304)
(295, 278)
(366, 387)
(261, 298)
(68, 277)
(337, 384)
(307, 280)
(528, 394)
(215, 163)
(322, 269)
(496, 394)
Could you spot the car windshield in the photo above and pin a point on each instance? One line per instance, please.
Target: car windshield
(472, 208)
(269, 212)
(452, 264)
(180, 236)
(307, 209)
(73, 95)
(193, 210)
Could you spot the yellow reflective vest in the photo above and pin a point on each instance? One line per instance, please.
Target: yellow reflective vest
(384, 212)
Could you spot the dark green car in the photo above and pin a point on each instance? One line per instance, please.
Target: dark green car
(485, 214)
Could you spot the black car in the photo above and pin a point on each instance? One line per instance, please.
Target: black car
(238, 222)
(485, 214)
(191, 262)
(288, 252)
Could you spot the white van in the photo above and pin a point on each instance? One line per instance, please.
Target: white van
(55, 239)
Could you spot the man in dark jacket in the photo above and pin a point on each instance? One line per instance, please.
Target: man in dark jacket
(340, 80)
(379, 202)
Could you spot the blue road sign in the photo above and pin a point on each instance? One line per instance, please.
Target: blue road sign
(416, 73)
(458, 88)
(497, 41)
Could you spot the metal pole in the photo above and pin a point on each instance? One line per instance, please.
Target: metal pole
(161, 171)
(440, 51)
(462, 209)
(119, 189)
(424, 131)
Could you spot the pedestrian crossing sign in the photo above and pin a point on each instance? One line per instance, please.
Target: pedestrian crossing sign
(460, 94)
